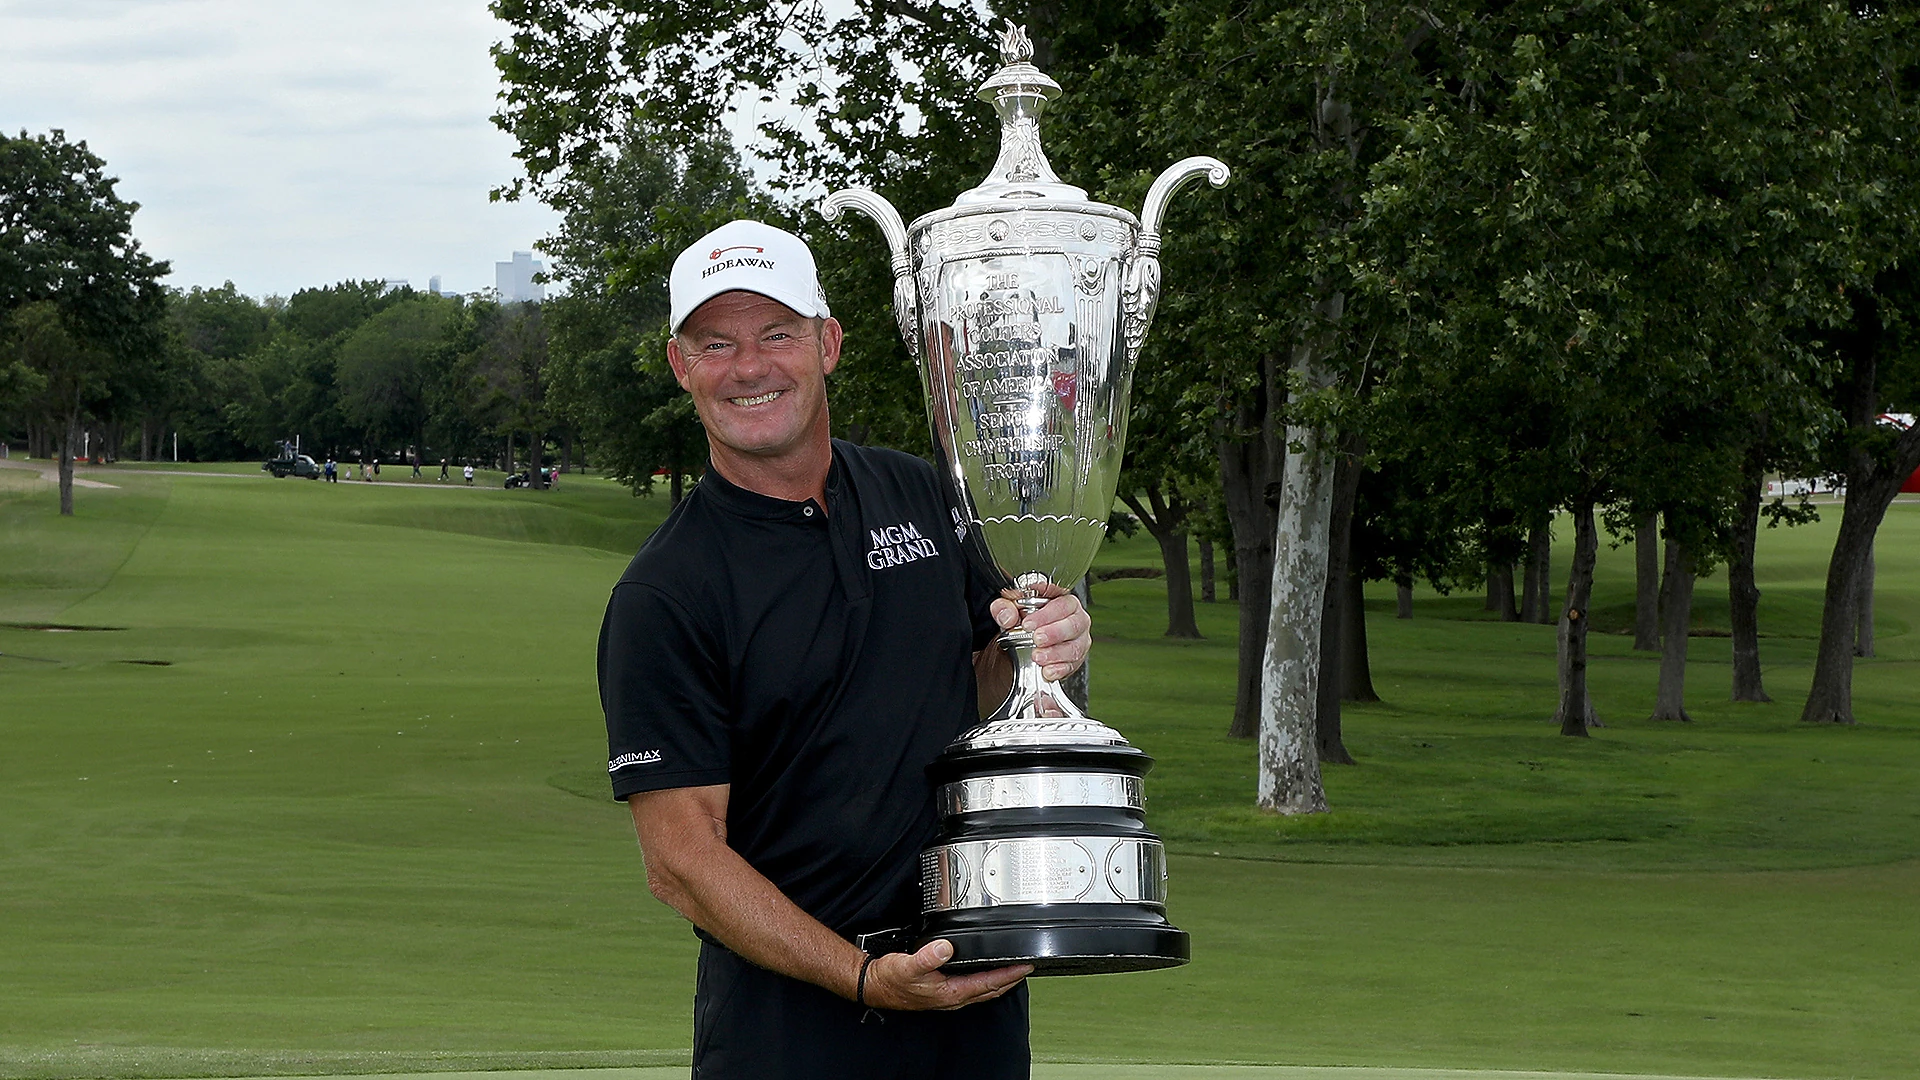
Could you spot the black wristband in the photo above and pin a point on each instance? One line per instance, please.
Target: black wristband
(860, 987)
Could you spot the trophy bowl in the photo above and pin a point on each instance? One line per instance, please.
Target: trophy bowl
(1024, 305)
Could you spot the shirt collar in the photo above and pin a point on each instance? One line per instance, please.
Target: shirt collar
(752, 504)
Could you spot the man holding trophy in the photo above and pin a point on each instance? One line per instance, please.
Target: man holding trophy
(779, 665)
(790, 667)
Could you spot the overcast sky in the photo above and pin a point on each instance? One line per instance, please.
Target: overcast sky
(282, 143)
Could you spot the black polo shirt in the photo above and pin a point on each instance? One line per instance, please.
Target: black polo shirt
(817, 662)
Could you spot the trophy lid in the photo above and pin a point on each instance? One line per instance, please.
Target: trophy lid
(1019, 92)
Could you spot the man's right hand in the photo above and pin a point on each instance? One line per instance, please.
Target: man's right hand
(913, 981)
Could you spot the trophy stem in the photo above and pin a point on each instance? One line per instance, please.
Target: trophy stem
(1033, 696)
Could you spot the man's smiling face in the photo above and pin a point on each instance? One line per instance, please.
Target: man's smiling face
(757, 371)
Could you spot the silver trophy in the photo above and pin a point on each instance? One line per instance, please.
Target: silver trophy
(1025, 305)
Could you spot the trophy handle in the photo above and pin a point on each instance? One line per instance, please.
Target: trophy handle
(906, 295)
(1178, 175)
(1140, 290)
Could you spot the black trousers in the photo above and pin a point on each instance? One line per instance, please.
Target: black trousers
(749, 1022)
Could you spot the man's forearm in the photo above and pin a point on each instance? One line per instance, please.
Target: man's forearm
(709, 883)
(683, 834)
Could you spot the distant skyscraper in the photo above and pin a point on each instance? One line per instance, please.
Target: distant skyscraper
(433, 285)
(393, 284)
(514, 280)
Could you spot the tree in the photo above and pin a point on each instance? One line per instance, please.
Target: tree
(386, 370)
(887, 95)
(66, 240)
(1630, 209)
(1169, 451)
(1881, 352)
(1300, 101)
(496, 360)
(1164, 509)
(66, 377)
(223, 336)
(19, 382)
(255, 372)
(610, 381)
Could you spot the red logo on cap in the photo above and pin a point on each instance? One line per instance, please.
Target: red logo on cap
(717, 252)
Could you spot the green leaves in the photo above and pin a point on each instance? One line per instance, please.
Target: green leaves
(66, 236)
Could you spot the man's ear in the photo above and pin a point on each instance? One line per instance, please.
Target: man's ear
(830, 338)
(677, 360)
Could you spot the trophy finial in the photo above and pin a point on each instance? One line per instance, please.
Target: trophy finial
(1015, 46)
(1019, 92)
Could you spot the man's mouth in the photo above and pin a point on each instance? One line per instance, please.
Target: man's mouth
(761, 399)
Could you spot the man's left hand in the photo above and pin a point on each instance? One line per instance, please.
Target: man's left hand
(1062, 631)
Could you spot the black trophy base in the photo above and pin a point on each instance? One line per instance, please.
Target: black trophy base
(1065, 948)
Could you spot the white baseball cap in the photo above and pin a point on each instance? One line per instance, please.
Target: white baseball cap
(750, 256)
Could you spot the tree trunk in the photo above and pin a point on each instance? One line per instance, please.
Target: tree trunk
(72, 432)
(1333, 640)
(1356, 667)
(1646, 582)
(1537, 604)
(1871, 487)
(1743, 595)
(1328, 745)
(1289, 780)
(1830, 698)
(1208, 593)
(1403, 599)
(566, 449)
(1576, 713)
(1676, 615)
(1165, 517)
(1500, 593)
(1250, 481)
(1232, 559)
(1863, 622)
(1180, 619)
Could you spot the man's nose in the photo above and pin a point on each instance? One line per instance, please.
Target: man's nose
(750, 362)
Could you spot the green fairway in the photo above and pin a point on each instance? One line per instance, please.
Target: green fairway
(308, 778)
(1076, 1071)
